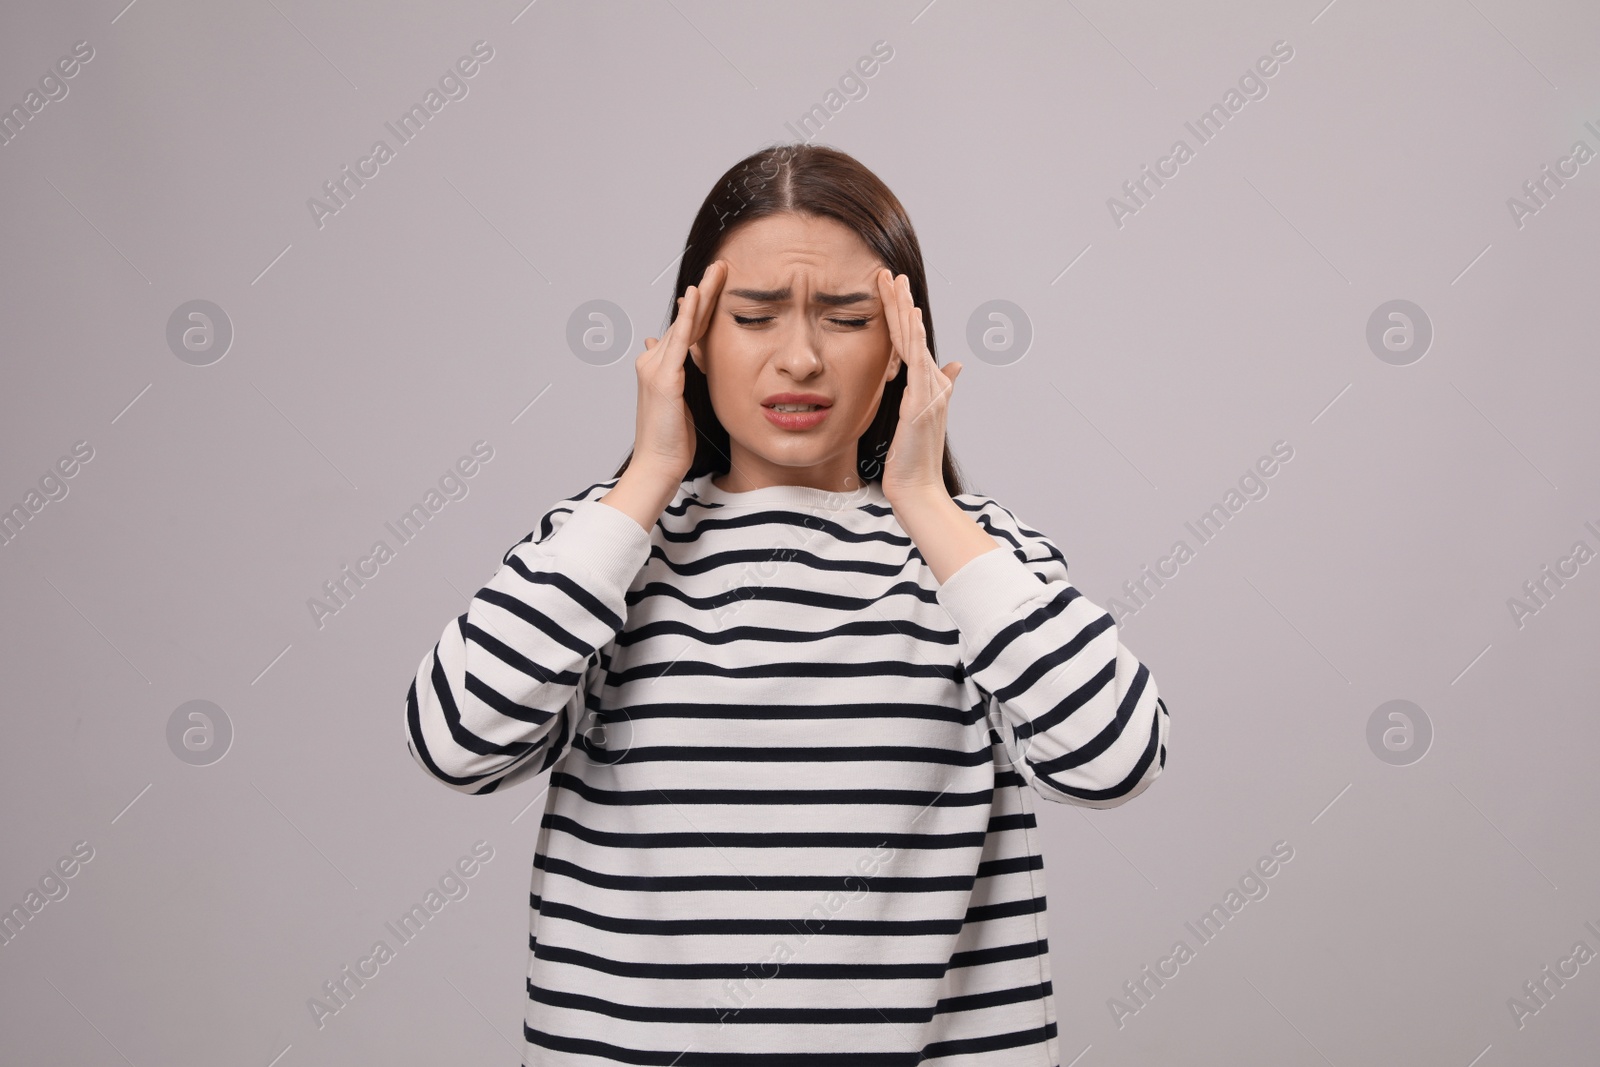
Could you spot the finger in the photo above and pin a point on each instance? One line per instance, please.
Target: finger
(919, 333)
(711, 284)
(951, 372)
(920, 330)
(912, 320)
(677, 313)
(916, 372)
(916, 376)
(891, 299)
(902, 308)
(667, 356)
(672, 346)
(683, 325)
(715, 271)
(666, 336)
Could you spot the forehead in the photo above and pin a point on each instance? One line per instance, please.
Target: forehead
(785, 249)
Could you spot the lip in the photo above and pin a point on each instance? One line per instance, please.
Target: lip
(794, 420)
(796, 398)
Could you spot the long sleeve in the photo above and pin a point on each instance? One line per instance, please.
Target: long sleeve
(1083, 711)
(490, 702)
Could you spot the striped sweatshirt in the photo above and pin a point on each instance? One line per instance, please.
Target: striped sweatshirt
(789, 817)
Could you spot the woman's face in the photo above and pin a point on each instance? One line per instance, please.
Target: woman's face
(799, 312)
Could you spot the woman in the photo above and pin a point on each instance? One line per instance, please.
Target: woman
(795, 687)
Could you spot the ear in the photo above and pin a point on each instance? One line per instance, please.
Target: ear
(698, 357)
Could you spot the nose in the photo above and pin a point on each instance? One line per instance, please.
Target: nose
(799, 347)
(797, 354)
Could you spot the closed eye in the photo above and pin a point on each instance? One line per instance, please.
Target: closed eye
(749, 321)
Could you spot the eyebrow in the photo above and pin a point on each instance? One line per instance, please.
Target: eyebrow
(775, 296)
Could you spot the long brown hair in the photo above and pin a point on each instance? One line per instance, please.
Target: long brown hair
(806, 180)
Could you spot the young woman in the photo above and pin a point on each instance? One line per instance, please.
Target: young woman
(794, 686)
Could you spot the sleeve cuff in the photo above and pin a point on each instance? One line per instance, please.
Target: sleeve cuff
(604, 542)
(988, 591)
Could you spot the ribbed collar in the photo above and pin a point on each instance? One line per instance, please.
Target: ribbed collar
(871, 493)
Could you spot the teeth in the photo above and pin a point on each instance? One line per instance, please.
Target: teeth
(796, 407)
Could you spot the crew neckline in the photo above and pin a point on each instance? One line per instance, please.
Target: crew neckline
(870, 493)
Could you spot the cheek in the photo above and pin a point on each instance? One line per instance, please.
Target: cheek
(873, 362)
(716, 348)
(734, 365)
(866, 388)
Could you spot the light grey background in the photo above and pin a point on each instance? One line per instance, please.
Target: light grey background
(1169, 354)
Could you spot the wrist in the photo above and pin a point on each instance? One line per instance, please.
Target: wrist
(642, 494)
(920, 501)
(945, 533)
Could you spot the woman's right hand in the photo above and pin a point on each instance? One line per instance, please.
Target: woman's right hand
(664, 437)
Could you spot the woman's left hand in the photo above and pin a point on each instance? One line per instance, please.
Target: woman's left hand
(915, 464)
